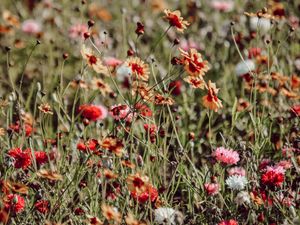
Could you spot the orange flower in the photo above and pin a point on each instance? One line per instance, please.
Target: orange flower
(161, 100)
(14, 187)
(140, 70)
(290, 94)
(195, 82)
(128, 164)
(194, 65)
(130, 220)
(175, 20)
(50, 175)
(78, 83)
(93, 220)
(295, 81)
(137, 183)
(93, 61)
(99, 84)
(143, 90)
(280, 78)
(211, 100)
(110, 213)
(113, 144)
(109, 174)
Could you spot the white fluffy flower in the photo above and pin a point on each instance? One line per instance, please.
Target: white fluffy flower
(261, 24)
(236, 182)
(244, 67)
(242, 197)
(168, 216)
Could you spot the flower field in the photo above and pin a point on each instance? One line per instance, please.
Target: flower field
(142, 112)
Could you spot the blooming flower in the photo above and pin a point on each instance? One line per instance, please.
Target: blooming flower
(236, 171)
(211, 100)
(274, 176)
(99, 84)
(193, 63)
(242, 197)
(46, 108)
(42, 206)
(22, 157)
(15, 203)
(236, 182)
(111, 213)
(226, 156)
(139, 69)
(228, 222)
(121, 112)
(40, 157)
(18, 128)
(212, 188)
(93, 61)
(165, 215)
(175, 20)
(150, 194)
(113, 145)
(93, 112)
(31, 26)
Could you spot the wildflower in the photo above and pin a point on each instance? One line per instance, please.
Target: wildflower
(76, 31)
(93, 220)
(130, 220)
(49, 174)
(31, 26)
(212, 188)
(193, 63)
(17, 128)
(143, 90)
(41, 157)
(140, 28)
(165, 215)
(42, 206)
(195, 82)
(93, 61)
(22, 157)
(137, 183)
(143, 110)
(244, 67)
(91, 145)
(161, 100)
(109, 174)
(113, 145)
(46, 108)
(175, 20)
(150, 194)
(139, 69)
(111, 61)
(111, 213)
(99, 84)
(211, 100)
(222, 5)
(14, 203)
(242, 105)
(236, 171)
(228, 222)
(93, 112)
(128, 164)
(175, 87)
(236, 182)
(242, 197)
(226, 156)
(274, 176)
(121, 112)
(9, 186)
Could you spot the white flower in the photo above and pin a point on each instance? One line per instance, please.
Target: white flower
(236, 182)
(244, 67)
(168, 216)
(242, 197)
(262, 24)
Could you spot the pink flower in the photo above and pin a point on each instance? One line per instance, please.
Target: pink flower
(31, 27)
(76, 31)
(285, 164)
(227, 156)
(212, 188)
(111, 61)
(121, 112)
(237, 171)
(222, 5)
(228, 222)
(186, 45)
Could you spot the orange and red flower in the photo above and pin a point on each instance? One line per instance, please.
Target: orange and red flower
(175, 20)
(139, 69)
(211, 100)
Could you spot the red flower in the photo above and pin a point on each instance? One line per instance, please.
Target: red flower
(253, 52)
(42, 206)
(175, 87)
(41, 157)
(92, 112)
(151, 129)
(17, 128)
(15, 203)
(151, 194)
(91, 145)
(296, 109)
(144, 110)
(272, 178)
(22, 158)
(228, 222)
(140, 28)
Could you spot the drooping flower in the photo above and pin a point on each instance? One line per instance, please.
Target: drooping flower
(226, 156)
(193, 63)
(92, 112)
(14, 203)
(22, 157)
(139, 69)
(49, 174)
(212, 188)
(211, 100)
(236, 182)
(175, 20)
